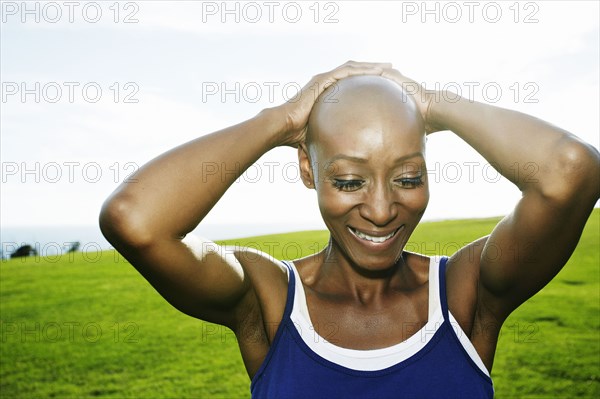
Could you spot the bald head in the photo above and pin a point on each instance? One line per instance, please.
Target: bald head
(364, 105)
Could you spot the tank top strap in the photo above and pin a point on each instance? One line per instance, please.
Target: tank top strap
(442, 286)
(289, 304)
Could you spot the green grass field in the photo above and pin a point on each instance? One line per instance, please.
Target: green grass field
(88, 325)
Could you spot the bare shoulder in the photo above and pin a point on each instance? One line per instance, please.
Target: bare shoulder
(261, 310)
(268, 279)
(420, 259)
(463, 266)
(308, 268)
(255, 261)
(418, 263)
(462, 283)
(467, 301)
(258, 281)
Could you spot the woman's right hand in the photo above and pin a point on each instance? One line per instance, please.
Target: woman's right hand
(297, 110)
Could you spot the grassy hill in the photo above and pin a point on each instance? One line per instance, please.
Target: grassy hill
(88, 325)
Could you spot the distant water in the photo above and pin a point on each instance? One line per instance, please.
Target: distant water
(54, 240)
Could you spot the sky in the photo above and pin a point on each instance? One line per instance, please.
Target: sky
(93, 90)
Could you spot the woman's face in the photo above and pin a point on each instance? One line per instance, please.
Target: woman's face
(366, 161)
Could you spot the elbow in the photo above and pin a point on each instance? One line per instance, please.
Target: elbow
(576, 177)
(583, 168)
(122, 225)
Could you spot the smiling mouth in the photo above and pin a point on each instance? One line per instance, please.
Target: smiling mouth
(375, 239)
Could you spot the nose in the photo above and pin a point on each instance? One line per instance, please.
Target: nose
(379, 207)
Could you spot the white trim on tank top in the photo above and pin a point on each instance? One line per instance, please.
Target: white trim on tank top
(378, 359)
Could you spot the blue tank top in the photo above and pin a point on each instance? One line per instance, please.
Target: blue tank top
(438, 361)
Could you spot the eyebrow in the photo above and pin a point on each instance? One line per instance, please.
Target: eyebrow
(365, 160)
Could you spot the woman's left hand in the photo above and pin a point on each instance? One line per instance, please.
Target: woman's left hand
(423, 98)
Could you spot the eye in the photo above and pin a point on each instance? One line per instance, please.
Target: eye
(410, 182)
(347, 185)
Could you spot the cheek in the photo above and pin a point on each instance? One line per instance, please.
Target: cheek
(334, 203)
(414, 201)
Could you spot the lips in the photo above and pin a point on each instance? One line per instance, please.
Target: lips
(375, 237)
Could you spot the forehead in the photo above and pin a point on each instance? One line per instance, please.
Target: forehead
(368, 117)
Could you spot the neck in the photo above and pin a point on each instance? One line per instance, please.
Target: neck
(340, 274)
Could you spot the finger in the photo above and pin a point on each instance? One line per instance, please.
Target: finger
(352, 70)
(362, 66)
(369, 64)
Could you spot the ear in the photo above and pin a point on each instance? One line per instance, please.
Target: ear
(306, 172)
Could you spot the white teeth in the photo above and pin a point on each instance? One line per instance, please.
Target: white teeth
(371, 238)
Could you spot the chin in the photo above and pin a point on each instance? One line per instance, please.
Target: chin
(368, 260)
(375, 253)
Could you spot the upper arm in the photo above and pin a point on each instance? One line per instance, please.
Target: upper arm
(531, 244)
(196, 276)
(528, 248)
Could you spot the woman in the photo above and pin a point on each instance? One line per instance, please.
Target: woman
(362, 318)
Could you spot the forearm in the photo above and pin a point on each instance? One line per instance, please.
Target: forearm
(533, 154)
(172, 193)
